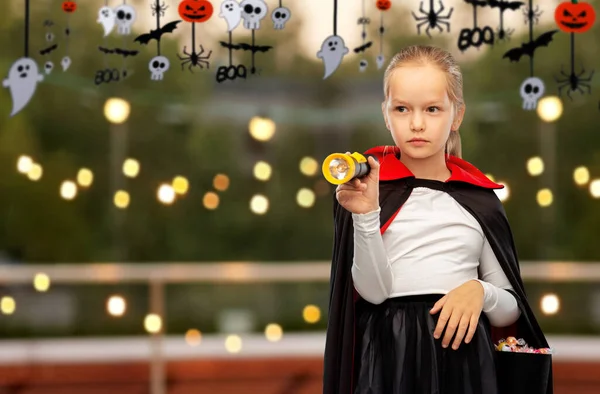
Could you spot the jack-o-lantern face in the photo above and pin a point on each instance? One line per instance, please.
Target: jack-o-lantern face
(574, 17)
(195, 11)
(69, 6)
(383, 5)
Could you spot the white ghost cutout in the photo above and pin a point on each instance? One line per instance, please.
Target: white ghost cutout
(380, 60)
(332, 51)
(65, 63)
(232, 13)
(22, 81)
(107, 18)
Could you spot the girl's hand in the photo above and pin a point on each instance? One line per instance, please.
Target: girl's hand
(461, 309)
(361, 195)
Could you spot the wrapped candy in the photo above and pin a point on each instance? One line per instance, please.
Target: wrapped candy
(512, 344)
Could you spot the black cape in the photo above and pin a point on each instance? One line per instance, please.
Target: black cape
(473, 191)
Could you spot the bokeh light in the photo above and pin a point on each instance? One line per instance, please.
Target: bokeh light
(68, 190)
(41, 282)
(309, 166)
(259, 204)
(121, 199)
(35, 172)
(24, 164)
(550, 108)
(233, 343)
(595, 188)
(305, 198)
(311, 314)
(153, 323)
(262, 171)
(193, 337)
(221, 182)
(116, 305)
(581, 175)
(117, 110)
(550, 304)
(273, 332)
(7, 305)
(180, 185)
(544, 197)
(85, 177)
(535, 166)
(131, 168)
(166, 194)
(210, 200)
(261, 129)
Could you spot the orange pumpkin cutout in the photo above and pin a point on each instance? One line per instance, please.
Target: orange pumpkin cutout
(69, 6)
(574, 17)
(195, 11)
(383, 5)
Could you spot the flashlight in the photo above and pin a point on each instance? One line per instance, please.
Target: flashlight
(340, 168)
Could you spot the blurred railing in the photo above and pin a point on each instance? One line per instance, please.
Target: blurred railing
(157, 275)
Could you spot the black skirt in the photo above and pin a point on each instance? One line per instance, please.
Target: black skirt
(396, 353)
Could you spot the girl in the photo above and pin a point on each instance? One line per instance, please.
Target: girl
(424, 263)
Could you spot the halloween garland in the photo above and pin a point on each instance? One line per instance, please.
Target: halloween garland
(159, 64)
(364, 21)
(574, 17)
(195, 11)
(49, 36)
(68, 7)
(23, 75)
(433, 19)
(382, 6)
(475, 36)
(333, 49)
(250, 13)
(122, 17)
(532, 88)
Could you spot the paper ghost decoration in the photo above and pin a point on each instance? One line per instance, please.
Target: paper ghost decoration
(65, 63)
(232, 13)
(107, 18)
(332, 51)
(22, 81)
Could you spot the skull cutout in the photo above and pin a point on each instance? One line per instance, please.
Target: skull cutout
(125, 17)
(531, 90)
(253, 11)
(362, 66)
(158, 66)
(280, 16)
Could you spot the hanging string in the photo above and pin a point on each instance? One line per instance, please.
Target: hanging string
(335, 6)
(573, 53)
(364, 29)
(26, 28)
(381, 30)
(530, 16)
(280, 4)
(157, 10)
(193, 36)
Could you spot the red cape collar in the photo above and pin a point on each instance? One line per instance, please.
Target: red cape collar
(392, 168)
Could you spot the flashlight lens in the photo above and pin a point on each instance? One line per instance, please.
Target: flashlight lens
(338, 168)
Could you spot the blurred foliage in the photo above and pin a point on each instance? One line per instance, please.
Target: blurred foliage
(175, 128)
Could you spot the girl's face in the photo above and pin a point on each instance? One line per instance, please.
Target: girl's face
(418, 111)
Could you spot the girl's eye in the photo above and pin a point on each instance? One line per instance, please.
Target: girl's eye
(400, 109)
(433, 109)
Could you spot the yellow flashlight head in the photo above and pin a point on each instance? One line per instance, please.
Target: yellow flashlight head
(339, 168)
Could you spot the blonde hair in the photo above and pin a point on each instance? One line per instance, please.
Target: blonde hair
(424, 54)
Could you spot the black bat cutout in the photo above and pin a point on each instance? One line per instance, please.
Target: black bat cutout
(529, 48)
(48, 23)
(156, 34)
(364, 21)
(48, 50)
(504, 6)
(363, 48)
(118, 51)
(246, 47)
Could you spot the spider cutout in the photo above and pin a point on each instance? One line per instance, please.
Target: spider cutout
(194, 59)
(432, 18)
(574, 82)
(532, 14)
(158, 8)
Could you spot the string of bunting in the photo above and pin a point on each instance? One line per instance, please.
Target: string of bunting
(572, 17)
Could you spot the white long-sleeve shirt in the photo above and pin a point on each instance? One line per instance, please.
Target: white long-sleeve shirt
(433, 245)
